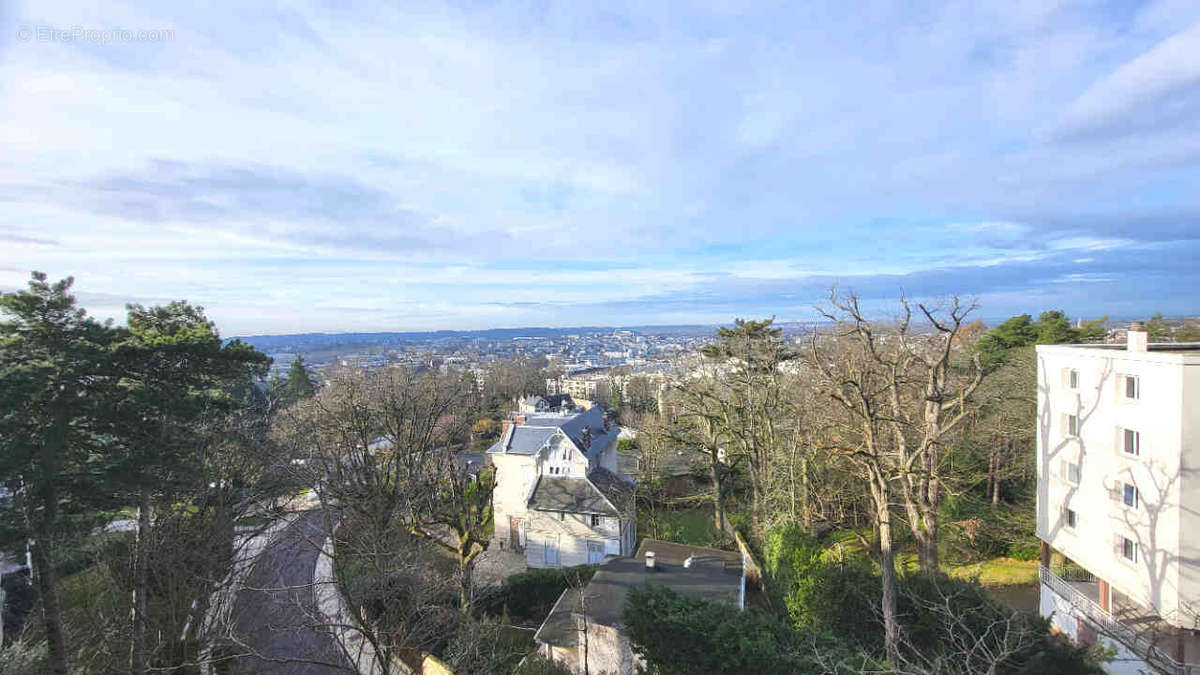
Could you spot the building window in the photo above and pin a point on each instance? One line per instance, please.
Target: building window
(1073, 473)
(1129, 495)
(1128, 549)
(595, 521)
(1073, 378)
(1072, 518)
(1133, 387)
(1072, 425)
(1131, 442)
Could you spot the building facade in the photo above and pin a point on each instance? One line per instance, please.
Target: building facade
(1118, 443)
(558, 498)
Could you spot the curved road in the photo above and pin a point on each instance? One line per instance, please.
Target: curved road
(275, 610)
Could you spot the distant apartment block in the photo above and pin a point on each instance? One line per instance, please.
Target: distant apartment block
(1118, 501)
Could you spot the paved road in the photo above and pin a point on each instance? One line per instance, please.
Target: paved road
(275, 608)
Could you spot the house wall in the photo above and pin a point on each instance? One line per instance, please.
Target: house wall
(1189, 541)
(608, 651)
(514, 479)
(1167, 431)
(574, 464)
(572, 534)
(608, 458)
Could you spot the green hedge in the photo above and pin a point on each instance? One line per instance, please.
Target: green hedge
(682, 635)
(529, 596)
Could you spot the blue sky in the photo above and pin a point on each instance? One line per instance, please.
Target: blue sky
(337, 167)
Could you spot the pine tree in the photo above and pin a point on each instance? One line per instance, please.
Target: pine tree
(52, 359)
(300, 384)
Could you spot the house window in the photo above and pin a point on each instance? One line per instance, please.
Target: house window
(1131, 442)
(1073, 378)
(1133, 387)
(1128, 549)
(595, 521)
(1072, 425)
(1072, 518)
(1073, 473)
(1129, 495)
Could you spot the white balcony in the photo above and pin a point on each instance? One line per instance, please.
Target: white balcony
(1139, 630)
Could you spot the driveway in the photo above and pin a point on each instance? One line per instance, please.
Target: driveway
(275, 612)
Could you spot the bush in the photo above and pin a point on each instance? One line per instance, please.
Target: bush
(484, 646)
(681, 635)
(953, 624)
(789, 554)
(530, 595)
(22, 658)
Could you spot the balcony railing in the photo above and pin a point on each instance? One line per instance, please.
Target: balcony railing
(1110, 627)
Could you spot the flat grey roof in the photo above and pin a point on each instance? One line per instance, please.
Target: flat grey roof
(714, 575)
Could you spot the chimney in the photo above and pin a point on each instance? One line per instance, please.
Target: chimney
(518, 420)
(587, 437)
(1137, 338)
(650, 562)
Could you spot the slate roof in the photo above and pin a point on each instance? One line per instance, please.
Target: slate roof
(617, 490)
(572, 495)
(537, 430)
(713, 575)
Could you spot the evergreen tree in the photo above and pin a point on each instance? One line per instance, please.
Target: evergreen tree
(52, 359)
(1055, 328)
(175, 373)
(300, 383)
(1158, 329)
(1095, 331)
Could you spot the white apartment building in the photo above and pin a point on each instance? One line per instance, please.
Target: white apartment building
(558, 498)
(1118, 501)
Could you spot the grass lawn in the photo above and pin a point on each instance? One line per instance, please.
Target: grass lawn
(997, 572)
(692, 526)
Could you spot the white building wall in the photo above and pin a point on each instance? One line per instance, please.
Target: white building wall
(1064, 618)
(514, 476)
(1167, 430)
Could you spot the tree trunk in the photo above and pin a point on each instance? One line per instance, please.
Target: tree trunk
(138, 658)
(718, 498)
(805, 507)
(43, 529)
(51, 612)
(466, 568)
(887, 576)
(996, 481)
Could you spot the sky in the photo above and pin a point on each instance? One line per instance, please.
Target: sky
(344, 167)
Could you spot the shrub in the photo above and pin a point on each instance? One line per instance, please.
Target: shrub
(680, 635)
(952, 624)
(530, 595)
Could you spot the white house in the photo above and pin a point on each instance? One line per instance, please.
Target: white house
(558, 497)
(1119, 498)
